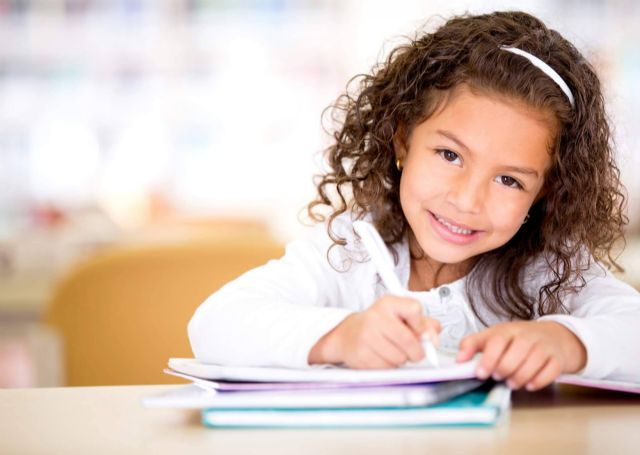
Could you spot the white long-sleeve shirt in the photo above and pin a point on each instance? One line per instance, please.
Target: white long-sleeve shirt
(273, 315)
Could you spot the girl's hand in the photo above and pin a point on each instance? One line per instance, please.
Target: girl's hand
(527, 354)
(386, 335)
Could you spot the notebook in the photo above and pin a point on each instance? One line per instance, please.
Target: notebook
(483, 406)
(197, 396)
(606, 384)
(259, 378)
(419, 372)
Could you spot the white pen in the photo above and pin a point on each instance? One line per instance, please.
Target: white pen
(384, 265)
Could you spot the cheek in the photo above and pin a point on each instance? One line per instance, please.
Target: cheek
(507, 217)
(417, 185)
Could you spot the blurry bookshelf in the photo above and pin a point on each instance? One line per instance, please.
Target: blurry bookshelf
(213, 107)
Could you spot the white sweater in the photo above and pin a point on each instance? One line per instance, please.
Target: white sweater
(274, 314)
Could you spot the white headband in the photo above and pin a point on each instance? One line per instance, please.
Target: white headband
(544, 67)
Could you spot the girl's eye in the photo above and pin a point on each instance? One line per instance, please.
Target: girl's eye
(448, 155)
(510, 182)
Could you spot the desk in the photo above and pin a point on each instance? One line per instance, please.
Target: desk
(563, 419)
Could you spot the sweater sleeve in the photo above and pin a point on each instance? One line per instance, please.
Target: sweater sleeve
(605, 316)
(274, 314)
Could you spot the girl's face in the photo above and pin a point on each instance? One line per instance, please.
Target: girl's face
(471, 173)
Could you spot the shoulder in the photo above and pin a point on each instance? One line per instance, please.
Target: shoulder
(547, 267)
(344, 267)
(587, 278)
(343, 253)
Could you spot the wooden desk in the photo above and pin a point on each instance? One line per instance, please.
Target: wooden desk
(111, 420)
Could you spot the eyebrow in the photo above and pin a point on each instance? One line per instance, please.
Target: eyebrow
(521, 170)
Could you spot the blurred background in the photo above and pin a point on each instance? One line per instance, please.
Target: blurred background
(168, 129)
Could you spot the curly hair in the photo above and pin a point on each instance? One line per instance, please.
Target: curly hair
(580, 216)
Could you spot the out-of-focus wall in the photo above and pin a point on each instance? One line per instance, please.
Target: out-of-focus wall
(137, 106)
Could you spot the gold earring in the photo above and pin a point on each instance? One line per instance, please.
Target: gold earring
(399, 164)
(526, 218)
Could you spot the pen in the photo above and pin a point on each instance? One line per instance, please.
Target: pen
(384, 265)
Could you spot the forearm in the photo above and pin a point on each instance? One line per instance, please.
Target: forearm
(605, 317)
(611, 342)
(237, 331)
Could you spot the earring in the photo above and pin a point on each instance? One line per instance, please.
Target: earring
(399, 164)
(526, 218)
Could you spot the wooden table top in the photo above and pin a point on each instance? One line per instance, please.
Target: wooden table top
(560, 419)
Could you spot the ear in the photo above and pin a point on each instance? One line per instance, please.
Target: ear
(399, 143)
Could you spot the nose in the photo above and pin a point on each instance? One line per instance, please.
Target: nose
(467, 194)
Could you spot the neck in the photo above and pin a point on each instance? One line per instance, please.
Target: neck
(427, 273)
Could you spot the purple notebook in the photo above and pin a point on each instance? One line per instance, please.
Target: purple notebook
(323, 377)
(241, 386)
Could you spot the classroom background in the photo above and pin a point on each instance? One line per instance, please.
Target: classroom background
(185, 133)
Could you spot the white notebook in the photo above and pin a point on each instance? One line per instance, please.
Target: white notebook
(411, 373)
(606, 384)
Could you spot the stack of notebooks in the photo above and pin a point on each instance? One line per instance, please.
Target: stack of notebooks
(415, 395)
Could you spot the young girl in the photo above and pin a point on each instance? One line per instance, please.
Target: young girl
(482, 154)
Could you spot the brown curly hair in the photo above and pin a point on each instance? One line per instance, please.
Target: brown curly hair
(580, 216)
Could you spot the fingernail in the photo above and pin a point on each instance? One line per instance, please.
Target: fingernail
(511, 384)
(482, 373)
(497, 377)
(436, 340)
(530, 387)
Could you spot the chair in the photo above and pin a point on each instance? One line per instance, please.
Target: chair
(122, 313)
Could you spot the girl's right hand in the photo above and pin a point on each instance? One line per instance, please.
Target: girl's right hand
(386, 335)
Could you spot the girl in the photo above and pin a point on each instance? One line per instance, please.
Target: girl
(481, 152)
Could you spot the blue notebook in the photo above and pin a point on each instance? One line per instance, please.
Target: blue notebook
(480, 407)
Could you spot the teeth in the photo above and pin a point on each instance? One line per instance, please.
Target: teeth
(453, 228)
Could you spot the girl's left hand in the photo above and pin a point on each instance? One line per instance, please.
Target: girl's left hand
(529, 354)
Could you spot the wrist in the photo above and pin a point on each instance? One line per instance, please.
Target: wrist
(322, 351)
(574, 351)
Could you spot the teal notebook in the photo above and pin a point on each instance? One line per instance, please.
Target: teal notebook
(480, 407)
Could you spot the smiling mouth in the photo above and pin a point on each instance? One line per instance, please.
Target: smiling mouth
(453, 227)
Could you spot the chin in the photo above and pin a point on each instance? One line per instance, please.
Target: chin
(446, 255)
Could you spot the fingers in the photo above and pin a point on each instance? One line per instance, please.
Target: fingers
(388, 352)
(518, 360)
(431, 329)
(546, 375)
(535, 361)
(494, 347)
(470, 345)
(411, 312)
(512, 358)
(369, 358)
(397, 333)
(403, 325)
(378, 353)
(502, 354)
